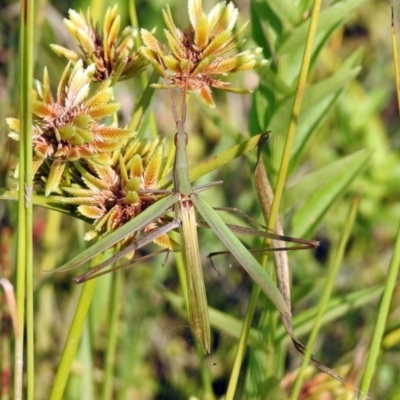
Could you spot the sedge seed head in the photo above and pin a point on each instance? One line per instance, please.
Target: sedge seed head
(111, 52)
(109, 196)
(198, 54)
(68, 127)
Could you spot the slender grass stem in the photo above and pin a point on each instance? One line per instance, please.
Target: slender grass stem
(383, 312)
(144, 80)
(283, 170)
(114, 311)
(326, 294)
(74, 336)
(25, 245)
(241, 349)
(143, 104)
(85, 382)
(205, 376)
(395, 62)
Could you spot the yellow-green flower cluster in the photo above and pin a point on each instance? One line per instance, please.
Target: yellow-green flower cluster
(111, 52)
(111, 195)
(68, 128)
(194, 57)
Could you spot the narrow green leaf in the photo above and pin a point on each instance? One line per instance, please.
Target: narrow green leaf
(325, 296)
(384, 309)
(321, 189)
(329, 19)
(285, 11)
(50, 202)
(318, 103)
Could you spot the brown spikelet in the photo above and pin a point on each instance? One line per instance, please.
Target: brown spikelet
(153, 168)
(136, 168)
(205, 96)
(201, 32)
(91, 212)
(54, 178)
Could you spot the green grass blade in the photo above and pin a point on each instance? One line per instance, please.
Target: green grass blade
(332, 185)
(329, 19)
(113, 318)
(327, 175)
(50, 202)
(383, 313)
(25, 218)
(302, 323)
(338, 307)
(283, 170)
(73, 338)
(323, 303)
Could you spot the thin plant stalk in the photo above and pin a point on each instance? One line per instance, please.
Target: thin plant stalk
(113, 317)
(25, 245)
(326, 294)
(383, 312)
(8, 313)
(395, 62)
(392, 273)
(283, 170)
(277, 194)
(208, 392)
(142, 105)
(144, 80)
(85, 386)
(74, 336)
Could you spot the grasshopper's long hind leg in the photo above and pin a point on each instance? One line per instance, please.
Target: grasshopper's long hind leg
(198, 309)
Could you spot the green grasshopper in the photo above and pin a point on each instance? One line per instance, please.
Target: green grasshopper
(185, 200)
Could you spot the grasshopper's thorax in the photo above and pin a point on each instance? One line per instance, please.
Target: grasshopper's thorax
(181, 174)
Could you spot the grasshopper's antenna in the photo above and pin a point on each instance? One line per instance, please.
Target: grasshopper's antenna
(182, 117)
(171, 98)
(183, 107)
